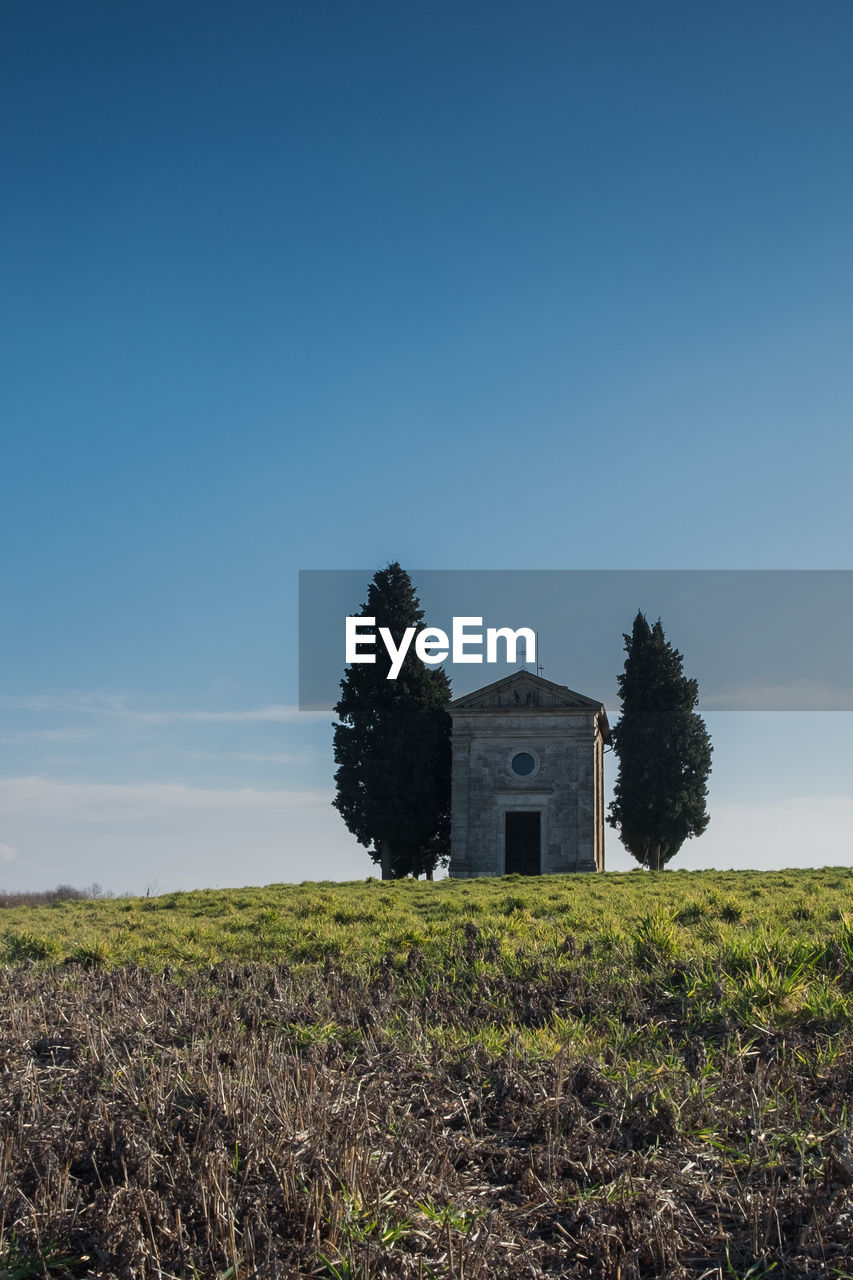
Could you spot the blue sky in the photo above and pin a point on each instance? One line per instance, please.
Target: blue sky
(464, 285)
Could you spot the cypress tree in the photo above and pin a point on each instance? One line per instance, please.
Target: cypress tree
(392, 744)
(663, 749)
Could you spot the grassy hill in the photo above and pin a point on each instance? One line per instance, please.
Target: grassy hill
(594, 1076)
(704, 914)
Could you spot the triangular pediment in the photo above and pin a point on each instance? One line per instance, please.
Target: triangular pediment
(523, 691)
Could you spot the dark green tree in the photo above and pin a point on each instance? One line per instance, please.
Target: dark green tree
(392, 744)
(663, 749)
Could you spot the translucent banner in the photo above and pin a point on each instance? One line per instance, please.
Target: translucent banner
(756, 640)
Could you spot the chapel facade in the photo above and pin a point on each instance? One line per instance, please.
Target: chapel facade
(528, 779)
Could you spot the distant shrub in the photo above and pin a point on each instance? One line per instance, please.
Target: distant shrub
(67, 893)
(42, 898)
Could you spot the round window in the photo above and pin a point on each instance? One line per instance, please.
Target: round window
(523, 764)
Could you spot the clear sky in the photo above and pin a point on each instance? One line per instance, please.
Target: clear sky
(466, 285)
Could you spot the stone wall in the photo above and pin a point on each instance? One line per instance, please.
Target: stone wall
(565, 787)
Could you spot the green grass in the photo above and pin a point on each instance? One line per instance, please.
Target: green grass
(761, 948)
(663, 915)
(394, 1075)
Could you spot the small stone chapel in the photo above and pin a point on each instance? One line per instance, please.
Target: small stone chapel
(528, 779)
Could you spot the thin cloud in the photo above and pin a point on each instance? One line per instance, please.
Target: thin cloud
(73, 701)
(794, 695)
(118, 705)
(7, 853)
(128, 836)
(275, 714)
(104, 801)
(20, 737)
(799, 831)
(253, 757)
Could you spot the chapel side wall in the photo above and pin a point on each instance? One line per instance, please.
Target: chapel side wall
(599, 801)
(585, 859)
(460, 867)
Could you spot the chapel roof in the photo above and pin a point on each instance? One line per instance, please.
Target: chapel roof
(524, 691)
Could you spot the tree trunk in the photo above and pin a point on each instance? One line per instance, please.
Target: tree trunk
(429, 874)
(655, 860)
(385, 860)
